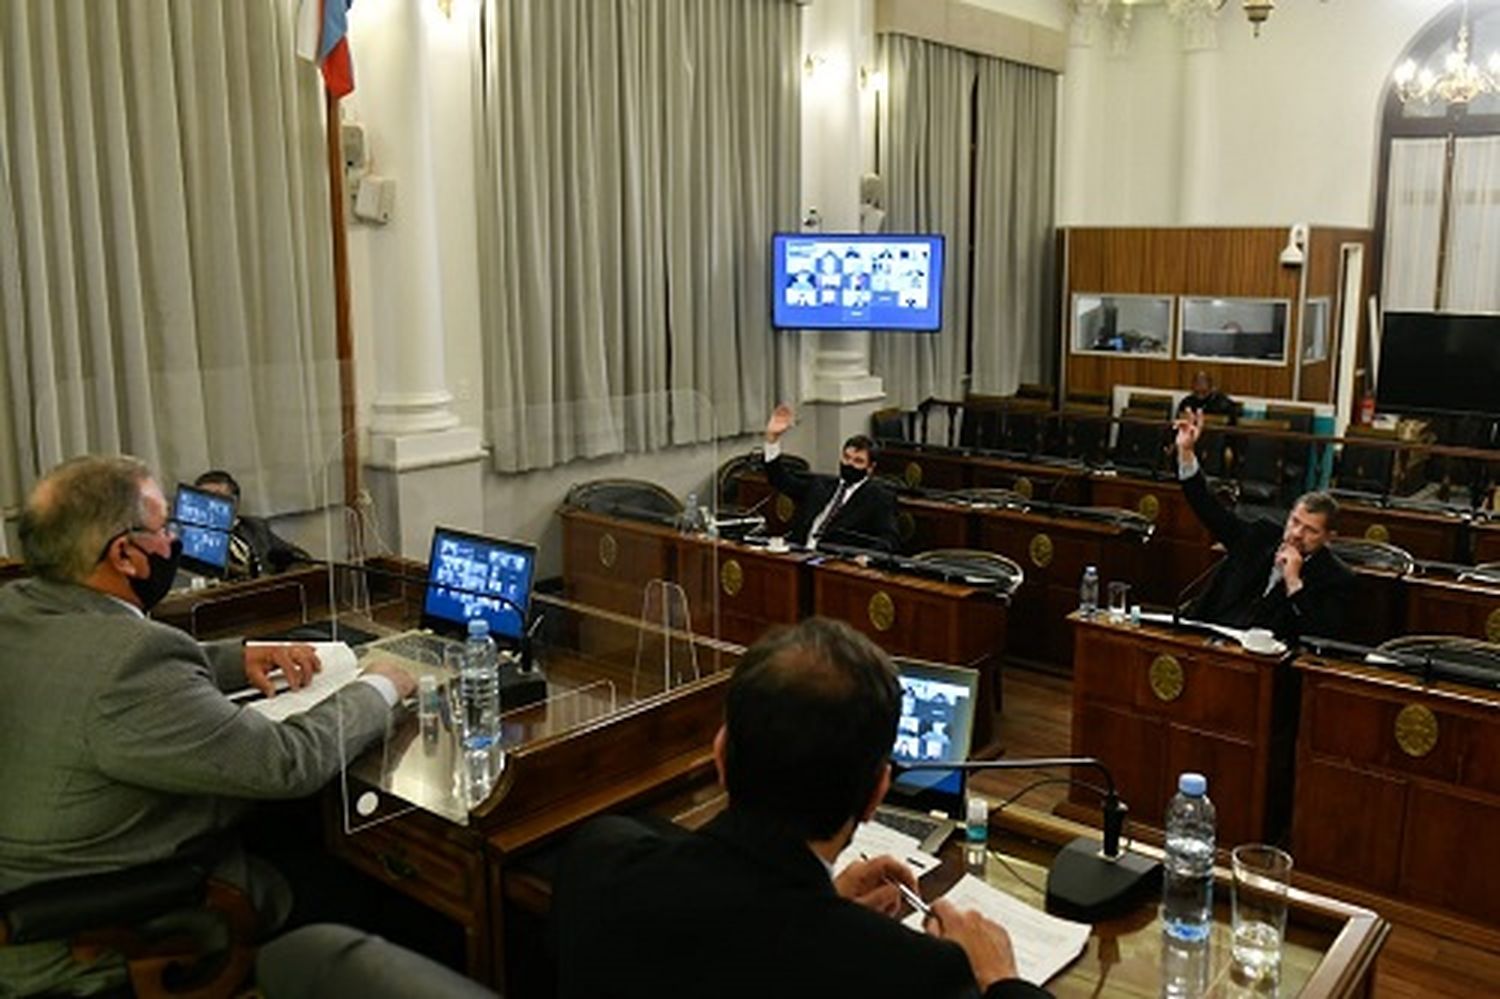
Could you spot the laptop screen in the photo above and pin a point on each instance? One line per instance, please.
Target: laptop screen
(937, 725)
(204, 520)
(469, 576)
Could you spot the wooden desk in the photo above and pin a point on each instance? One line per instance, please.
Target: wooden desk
(1152, 702)
(264, 604)
(567, 761)
(1449, 607)
(1486, 543)
(1180, 549)
(1054, 552)
(922, 619)
(1433, 536)
(1398, 786)
(1330, 948)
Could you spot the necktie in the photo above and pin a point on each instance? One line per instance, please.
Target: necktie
(833, 510)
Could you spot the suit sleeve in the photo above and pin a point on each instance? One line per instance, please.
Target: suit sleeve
(1221, 522)
(785, 480)
(226, 663)
(1015, 988)
(161, 722)
(1318, 610)
(887, 523)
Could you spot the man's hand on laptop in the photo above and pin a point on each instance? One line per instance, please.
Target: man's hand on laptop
(985, 943)
(872, 883)
(296, 663)
(405, 683)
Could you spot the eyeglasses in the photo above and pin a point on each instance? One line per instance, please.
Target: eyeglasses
(170, 529)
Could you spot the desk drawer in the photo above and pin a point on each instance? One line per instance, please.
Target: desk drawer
(436, 871)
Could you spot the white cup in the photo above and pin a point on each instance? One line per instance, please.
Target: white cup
(1261, 640)
(777, 544)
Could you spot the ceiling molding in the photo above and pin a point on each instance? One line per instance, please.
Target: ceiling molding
(974, 29)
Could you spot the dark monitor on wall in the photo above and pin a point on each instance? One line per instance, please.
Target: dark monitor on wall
(857, 281)
(204, 520)
(1439, 363)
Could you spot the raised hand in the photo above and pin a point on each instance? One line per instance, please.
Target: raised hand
(1189, 429)
(782, 418)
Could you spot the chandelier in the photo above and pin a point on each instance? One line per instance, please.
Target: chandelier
(1256, 11)
(1460, 80)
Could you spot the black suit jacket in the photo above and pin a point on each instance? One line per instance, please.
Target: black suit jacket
(1236, 596)
(268, 552)
(738, 909)
(866, 520)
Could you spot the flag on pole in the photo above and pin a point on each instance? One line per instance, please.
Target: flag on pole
(322, 37)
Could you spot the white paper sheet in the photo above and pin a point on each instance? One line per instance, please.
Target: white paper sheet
(339, 668)
(871, 839)
(1043, 944)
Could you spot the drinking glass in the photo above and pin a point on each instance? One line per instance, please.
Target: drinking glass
(1119, 601)
(1261, 876)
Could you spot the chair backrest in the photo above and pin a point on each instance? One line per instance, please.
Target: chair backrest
(997, 570)
(1373, 554)
(1366, 469)
(1261, 459)
(1143, 445)
(1479, 660)
(1154, 402)
(631, 498)
(890, 424)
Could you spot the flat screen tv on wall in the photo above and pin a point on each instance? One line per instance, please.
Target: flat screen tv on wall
(856, 281)
(1440, 362)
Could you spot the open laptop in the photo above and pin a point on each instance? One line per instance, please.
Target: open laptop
(468, 576)
(937, 725)
(204, 522)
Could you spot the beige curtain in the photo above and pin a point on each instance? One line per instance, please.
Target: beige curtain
(165, 276)
(1013, 326)
(634, 159)
(1413, 223)
(927, 166)
(971, 155)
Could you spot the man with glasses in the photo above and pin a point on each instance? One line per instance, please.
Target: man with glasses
(117, 744)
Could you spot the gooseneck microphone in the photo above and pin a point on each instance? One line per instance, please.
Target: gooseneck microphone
(1088, 881)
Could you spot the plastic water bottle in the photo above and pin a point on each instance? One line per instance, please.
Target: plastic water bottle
(976, 835)
(1088, 592)
(1188, 872)
(690, 514)
(479, 689)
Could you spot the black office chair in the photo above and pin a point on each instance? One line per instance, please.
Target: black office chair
(179, 931)
(1373, 555)
(979, 423)
(1485, 572)
(1364, 468)
(980, 567)
(1021, 425)
(1478, 660)
(633, 499)
(1084, 432)
(1005, 498)
(1295, 455)
(1143, 446)
(892, 424)
(1260, 464)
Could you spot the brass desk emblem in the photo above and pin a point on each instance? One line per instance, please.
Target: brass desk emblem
(1149, 507)
(732, 577)
(882, 611)
(785, 508)
(1040, 551)
(609, 550)
(1492, 625)
(1377, 532)
(1024, 486)
(1416, 730)
(913, 474)
(1166, 677)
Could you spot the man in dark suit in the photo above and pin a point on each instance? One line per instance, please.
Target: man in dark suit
(749, 906)
(848, 510)
(1205, 398)
(1284, 578)
(254, 549)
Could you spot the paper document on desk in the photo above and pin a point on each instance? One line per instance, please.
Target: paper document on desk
(1043, 944)
(339, 668)
(871, 839)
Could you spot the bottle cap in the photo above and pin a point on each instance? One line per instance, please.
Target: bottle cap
(427, 683)
(978, 812)
(1193, 785)
(478, 626)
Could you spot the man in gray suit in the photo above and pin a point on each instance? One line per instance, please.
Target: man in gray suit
(117, 744)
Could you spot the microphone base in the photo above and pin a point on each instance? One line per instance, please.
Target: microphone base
(518, 688)
(1084, 886)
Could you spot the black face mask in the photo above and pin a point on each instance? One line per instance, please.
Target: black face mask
(852, 476)
(150, 590)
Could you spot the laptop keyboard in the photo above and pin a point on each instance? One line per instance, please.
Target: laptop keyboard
(418, 648)
(918, 827)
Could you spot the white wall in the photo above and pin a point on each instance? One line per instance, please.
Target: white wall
(1256, 131)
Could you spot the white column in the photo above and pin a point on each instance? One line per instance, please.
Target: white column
(838, 38)
(423, 466)
(1201, 117)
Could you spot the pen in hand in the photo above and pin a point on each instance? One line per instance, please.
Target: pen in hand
(912, 898)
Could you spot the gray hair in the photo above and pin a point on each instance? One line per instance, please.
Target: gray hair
(76, 509)
(1320, 503)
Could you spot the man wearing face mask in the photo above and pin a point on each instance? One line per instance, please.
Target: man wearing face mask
(1284, 578)
(848, 510)
(119, 746)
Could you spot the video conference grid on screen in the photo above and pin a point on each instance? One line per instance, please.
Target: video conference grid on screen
(476, 567)
(844, 282)
(204, 509)
(930, 713)
(204, 546)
